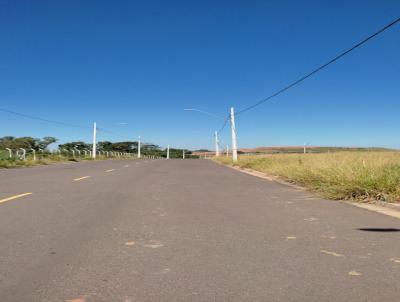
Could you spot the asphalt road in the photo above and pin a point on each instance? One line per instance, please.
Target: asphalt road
(185, 230)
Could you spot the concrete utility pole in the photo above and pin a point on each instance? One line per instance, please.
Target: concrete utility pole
(234, 141)
(138, 150)
(216, 144)
(183, 154)
(94, 140)
(9, 152)
(168, 152)
(34, 153)
(305, 148)
(23, 153)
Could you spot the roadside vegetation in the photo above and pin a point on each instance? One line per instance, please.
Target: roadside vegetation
(37, 151)
(42, 159)
(362, 176)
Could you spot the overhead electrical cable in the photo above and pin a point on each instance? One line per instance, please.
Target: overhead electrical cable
(223, 126)
(359, 44)
(112, 133)
(32, 117)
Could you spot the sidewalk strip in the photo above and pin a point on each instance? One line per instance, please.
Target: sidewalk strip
(80, 178)
(15, 197)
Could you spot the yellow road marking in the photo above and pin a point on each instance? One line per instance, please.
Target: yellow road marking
(15, 197)
(153, 244)
(80, 178)
(109, 170)
(331, 253)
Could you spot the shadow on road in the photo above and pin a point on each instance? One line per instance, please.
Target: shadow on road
(383, 230)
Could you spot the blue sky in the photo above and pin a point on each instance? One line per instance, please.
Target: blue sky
(143, 62)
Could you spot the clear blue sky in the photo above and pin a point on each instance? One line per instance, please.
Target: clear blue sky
(142, 62)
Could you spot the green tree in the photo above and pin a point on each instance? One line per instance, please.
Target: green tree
(19, 142)
(76, 145)
(105, 146)
(26, 142)
(45, 142)
(127, 146)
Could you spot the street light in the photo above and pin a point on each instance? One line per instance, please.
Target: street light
(233, 129)
(305, 147)
(94, 141)
(138, 151)
(216, 132)
(205, 112)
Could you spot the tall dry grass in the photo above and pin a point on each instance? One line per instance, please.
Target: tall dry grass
(341, 175)
(43, 159)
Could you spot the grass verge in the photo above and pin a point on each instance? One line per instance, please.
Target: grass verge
(43, 160)
(362, 176)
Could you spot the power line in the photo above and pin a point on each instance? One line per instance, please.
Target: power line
(321, 67)
(223, 125)
(32, 117)
(112, 133)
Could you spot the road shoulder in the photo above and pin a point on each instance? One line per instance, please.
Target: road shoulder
(385, 208)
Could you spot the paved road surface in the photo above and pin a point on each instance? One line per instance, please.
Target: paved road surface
(185, 230)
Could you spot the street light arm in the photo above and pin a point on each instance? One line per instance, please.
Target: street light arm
(205, 112)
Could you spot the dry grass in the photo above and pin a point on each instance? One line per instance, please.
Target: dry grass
(342, 175)
(47, 160)
(44, 160)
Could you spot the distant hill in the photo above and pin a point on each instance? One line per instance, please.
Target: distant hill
(290, 149)
(310, 149)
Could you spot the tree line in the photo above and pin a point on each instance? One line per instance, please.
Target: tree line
(37, 144)
(26, 142)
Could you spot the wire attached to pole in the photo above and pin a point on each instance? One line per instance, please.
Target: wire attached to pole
(359, 44)
(32, 117)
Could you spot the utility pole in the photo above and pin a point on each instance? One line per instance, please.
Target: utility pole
(305, 148)
(227, 151)
(183, 154)
(168, 152)
(216, 144)
(138, 150)
(9, 152)
(94, 140)
(234, 141)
